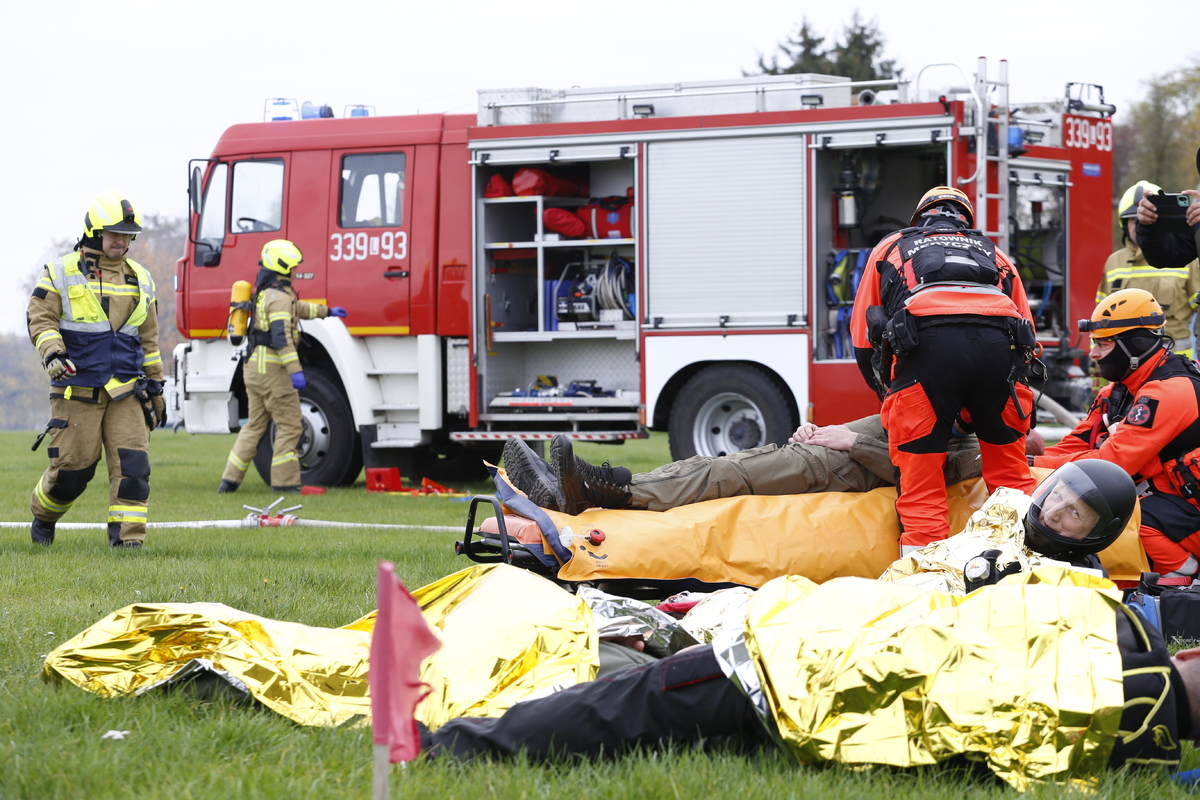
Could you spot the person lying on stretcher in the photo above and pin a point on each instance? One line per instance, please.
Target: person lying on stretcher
(834, 458)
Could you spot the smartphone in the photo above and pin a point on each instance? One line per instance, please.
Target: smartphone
(1172, 211)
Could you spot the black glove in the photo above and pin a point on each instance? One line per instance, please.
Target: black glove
(154, 407)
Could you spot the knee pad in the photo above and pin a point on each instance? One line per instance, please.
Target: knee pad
(134, 463)
(135, 466)
(70, 483)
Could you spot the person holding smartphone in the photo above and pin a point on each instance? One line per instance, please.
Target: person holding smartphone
(1164, 248)
(1176, 289)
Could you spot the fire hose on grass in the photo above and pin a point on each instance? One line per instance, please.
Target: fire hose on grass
(257, 518)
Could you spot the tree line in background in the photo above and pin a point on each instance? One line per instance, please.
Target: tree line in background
(1157, 137)
(1156, 141)
(24, 387)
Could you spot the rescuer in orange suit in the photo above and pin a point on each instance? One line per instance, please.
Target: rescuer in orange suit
(272, 372)
(943, 333)
(1147, 421)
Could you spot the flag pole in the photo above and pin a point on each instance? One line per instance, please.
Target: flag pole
(382, 772)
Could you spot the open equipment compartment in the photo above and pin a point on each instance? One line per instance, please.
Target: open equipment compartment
(558, 312)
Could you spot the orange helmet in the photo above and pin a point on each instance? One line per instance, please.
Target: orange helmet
(1124, 310)
(945, 194)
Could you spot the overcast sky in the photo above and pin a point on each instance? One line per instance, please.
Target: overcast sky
(99, 96)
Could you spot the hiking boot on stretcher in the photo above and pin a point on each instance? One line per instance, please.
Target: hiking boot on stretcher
(529, 473)
(585, 486)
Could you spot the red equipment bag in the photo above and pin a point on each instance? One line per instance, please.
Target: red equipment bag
(608, 218)
(563, 222)
(497, 186)
(532, 181)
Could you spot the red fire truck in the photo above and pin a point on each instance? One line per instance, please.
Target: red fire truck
(676, 257)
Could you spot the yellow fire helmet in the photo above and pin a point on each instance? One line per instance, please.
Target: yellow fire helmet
(945, 194)
(1124, 310)
(280, 255)
(1133, 195)
(111, 211)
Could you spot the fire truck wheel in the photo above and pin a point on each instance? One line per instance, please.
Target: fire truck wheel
(726, 408)
(330, 449)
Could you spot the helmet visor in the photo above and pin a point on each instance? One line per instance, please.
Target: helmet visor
(1069, 508)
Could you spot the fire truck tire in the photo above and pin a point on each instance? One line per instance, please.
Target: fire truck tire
(330, 448)
(725, 408)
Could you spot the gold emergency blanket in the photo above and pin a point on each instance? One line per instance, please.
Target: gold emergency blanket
(752, 539)
(507, 635)
(865, 672)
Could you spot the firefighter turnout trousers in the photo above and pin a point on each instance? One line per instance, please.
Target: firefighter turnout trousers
(78, 431)
(271, 398)
(788, 469)
(955, 367)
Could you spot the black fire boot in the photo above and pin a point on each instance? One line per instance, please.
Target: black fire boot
(532, 475)
(41, 532)
(586, 486)
(114, 534)
(227, 486)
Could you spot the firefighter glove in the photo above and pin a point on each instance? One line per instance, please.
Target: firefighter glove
(337, 311)
(149, 394)
(160, 410)
(59, 366)
(298, 381)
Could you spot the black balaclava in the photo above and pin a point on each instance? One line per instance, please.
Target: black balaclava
(1133, 348)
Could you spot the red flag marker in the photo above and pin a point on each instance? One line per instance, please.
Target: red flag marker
(401, 641)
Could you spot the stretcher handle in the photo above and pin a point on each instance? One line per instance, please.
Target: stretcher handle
(506, 555)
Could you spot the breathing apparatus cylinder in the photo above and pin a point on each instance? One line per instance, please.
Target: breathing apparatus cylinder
(239, 311)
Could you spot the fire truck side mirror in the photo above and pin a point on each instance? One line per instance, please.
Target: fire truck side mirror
(195, 194)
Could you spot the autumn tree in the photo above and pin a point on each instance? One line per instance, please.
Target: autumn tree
(1158, 136)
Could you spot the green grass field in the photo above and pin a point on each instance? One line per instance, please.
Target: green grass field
(179, 747)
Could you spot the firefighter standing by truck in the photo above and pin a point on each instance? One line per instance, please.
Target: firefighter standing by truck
(1146, 421)
(272, 372)
(943, 333)
(93, 320)
(1175, 288)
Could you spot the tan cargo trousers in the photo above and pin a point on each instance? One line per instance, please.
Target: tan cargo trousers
(271, 397)
(79, 430)
(789, 469)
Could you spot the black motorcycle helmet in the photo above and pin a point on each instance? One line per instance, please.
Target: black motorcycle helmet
(1080, 508)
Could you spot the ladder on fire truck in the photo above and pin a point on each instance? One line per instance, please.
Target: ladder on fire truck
(986, 115)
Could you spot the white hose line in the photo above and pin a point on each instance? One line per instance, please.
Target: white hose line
(1062, 414)
(249, 522)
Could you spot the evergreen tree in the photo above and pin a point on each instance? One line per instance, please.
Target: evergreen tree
(858, 56)
(803, 52)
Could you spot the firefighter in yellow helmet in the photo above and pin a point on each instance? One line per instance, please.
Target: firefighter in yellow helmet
(1175, 288)
(272, 372)
(93, 319)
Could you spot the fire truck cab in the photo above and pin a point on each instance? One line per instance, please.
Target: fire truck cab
(601, 262)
